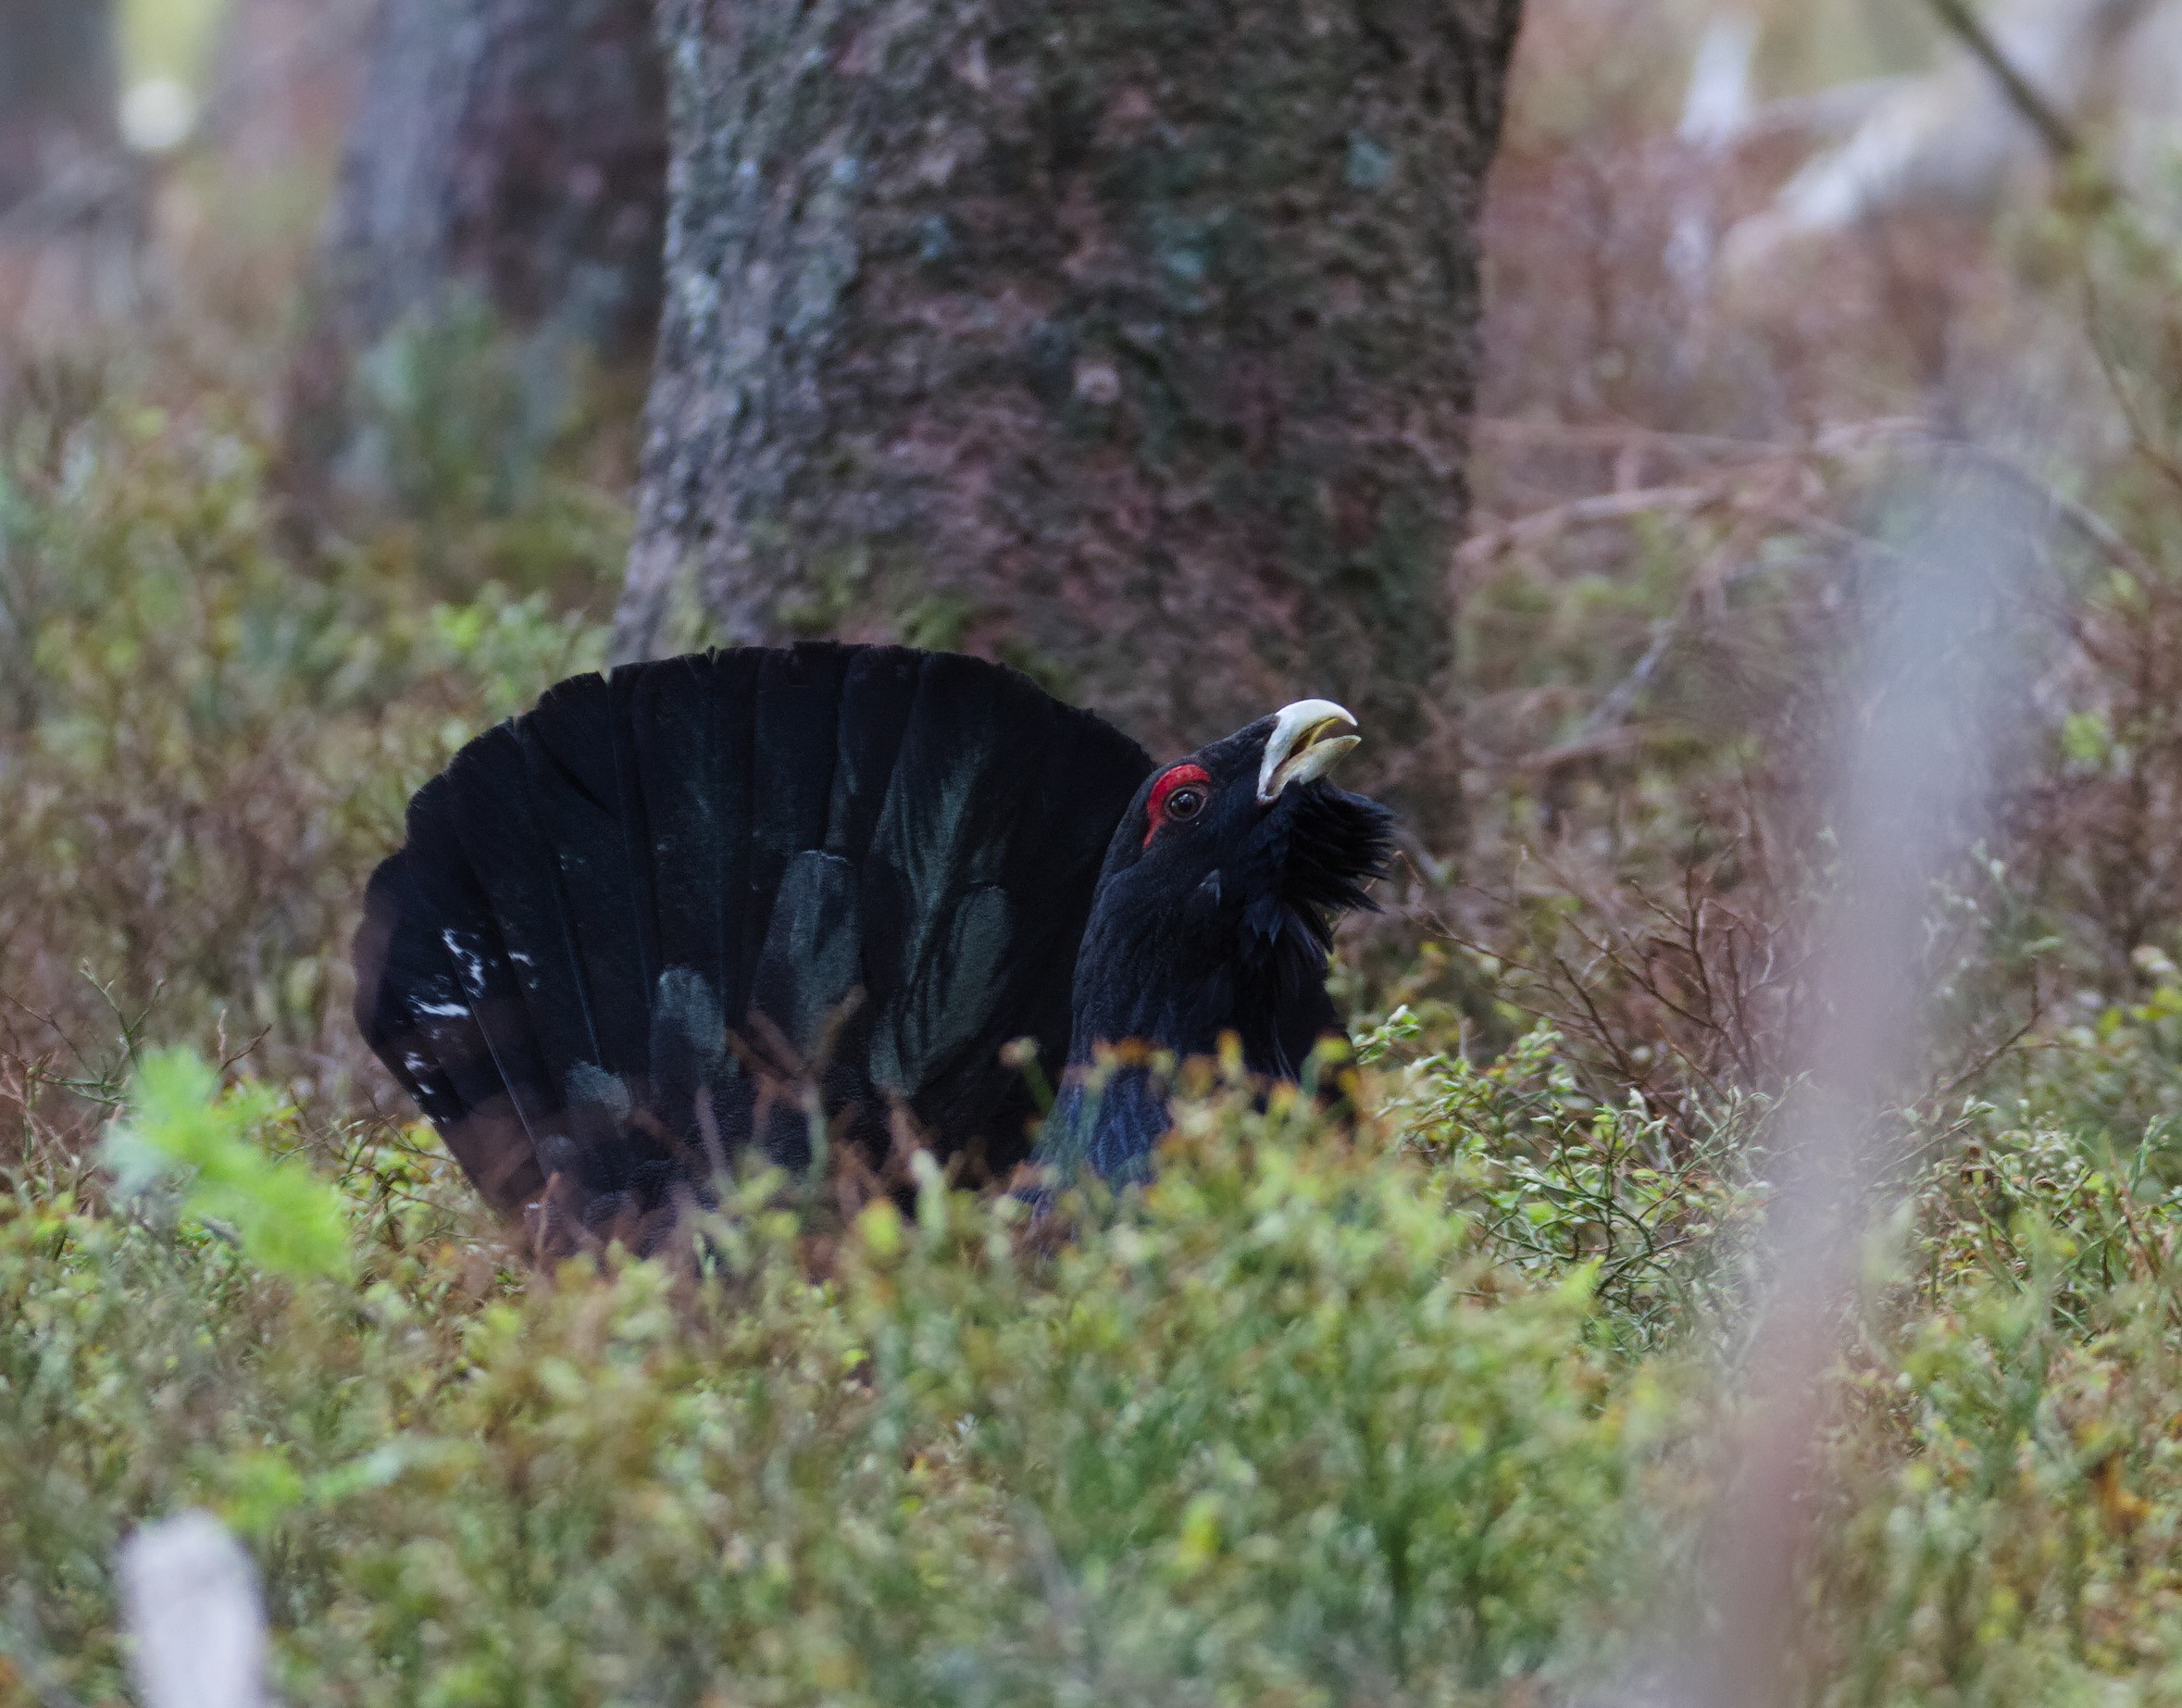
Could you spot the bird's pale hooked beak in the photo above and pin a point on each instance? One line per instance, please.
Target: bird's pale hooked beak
(1308, 738)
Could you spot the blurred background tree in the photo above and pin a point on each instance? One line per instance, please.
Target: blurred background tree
(508, 159)
(69, 212)
(59, 98)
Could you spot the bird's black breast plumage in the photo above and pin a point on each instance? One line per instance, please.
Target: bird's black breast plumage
(634, 931)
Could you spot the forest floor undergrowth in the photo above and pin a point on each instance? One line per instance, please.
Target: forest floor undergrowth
(1427, 1406)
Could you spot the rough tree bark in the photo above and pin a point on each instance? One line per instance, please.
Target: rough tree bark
(59, 98)
(516, 149)
(1134, 338)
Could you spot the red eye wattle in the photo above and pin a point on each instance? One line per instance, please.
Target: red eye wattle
(1176, 798)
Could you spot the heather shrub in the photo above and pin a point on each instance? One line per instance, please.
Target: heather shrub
(1276, 1428)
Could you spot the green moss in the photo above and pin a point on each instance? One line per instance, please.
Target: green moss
(937, 621)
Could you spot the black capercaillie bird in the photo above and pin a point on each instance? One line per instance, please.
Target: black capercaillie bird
(633, 932)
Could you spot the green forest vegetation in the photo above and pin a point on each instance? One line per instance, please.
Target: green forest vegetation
(1425, 1402)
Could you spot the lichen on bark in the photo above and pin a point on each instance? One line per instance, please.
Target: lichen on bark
(1133, 341)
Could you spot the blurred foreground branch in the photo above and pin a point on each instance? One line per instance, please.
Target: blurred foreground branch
(190, 1597)
(1911, 792)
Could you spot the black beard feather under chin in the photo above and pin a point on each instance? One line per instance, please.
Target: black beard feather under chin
(1338, 843)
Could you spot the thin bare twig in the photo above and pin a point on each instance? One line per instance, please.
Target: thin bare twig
(1483, 548)
(2058, 134)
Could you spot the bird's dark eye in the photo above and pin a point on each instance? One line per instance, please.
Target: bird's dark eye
(1176, 798)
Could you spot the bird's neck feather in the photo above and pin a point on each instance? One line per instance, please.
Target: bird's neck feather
(1147, 978)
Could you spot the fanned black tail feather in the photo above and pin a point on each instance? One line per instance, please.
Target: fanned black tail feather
(630, 929)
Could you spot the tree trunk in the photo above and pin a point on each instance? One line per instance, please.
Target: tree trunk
(72, 201)
(508, 151)
(1132, 341)
(59, 99)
